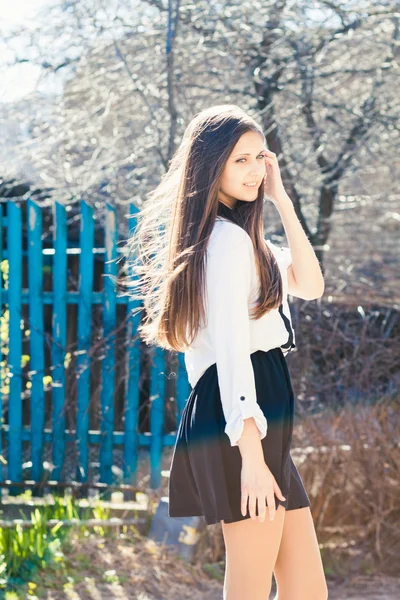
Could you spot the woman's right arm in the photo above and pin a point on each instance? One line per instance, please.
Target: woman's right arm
(228, 286)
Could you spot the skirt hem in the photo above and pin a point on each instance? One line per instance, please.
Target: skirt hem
(213, 520)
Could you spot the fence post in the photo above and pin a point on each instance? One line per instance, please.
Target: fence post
(2, 369)
(108, 361)
(14, 230)
(59, 335)
(84, 338)
(132, 393)
(157, 396)
(35, 287)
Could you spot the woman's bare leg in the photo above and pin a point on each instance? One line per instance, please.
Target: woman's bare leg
(251, 551)
(298, 571)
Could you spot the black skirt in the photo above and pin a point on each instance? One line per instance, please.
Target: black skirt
(205, 473)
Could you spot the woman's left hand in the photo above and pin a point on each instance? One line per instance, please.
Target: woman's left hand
(273, 185)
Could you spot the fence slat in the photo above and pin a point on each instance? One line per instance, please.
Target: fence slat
(132, 393)
(84, 337)
(35, 285)
(2, 369)
(59, 334)
(15, 342)
(157, 396)
(108, 361)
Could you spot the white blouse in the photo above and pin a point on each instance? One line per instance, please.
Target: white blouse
(230, 336)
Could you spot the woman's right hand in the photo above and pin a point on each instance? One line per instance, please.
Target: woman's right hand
(258, 484)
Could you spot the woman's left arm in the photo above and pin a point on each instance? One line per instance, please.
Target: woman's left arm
(305, 279)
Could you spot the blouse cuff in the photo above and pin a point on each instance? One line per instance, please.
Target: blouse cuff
(246, 409)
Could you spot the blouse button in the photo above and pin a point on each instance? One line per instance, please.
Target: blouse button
(242, 397)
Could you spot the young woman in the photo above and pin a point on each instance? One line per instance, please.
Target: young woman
(216, 290)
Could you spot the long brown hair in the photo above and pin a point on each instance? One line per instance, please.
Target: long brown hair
(174, 227)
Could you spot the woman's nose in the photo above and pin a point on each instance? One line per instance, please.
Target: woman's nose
(258, 171)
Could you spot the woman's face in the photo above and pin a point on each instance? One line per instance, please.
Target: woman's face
(245, 165)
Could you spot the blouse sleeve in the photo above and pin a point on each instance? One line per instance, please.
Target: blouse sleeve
(228, 291)
(282, 254)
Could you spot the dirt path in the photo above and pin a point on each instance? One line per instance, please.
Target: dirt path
(366, 588)
(131, 567)
(371, 588)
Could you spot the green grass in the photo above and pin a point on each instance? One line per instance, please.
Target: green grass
(25, 551)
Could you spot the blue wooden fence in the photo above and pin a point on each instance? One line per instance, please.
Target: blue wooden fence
(13, 297)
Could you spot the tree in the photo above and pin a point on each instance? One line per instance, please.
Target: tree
(320, 76)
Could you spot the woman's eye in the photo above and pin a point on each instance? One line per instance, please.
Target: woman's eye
(260, 156)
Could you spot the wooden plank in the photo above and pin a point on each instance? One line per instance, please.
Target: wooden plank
(14, 228)
(2, 357)
(71, 250)
(106, 523)
(71, 486)
(84, 338)
(35, 286)
(72, 297)
(157, 396)
(59, 335)
(132, 393)
(143, 439)
(108, 362)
